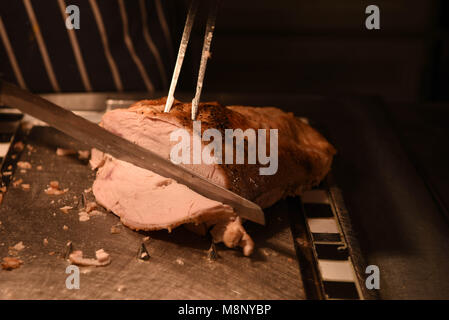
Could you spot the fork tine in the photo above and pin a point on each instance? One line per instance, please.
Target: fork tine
(210, 27)
(181, 53)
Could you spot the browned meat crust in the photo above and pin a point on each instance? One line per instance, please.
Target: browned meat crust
(305, 156)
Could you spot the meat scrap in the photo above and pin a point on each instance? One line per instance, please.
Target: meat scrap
(83, 216)
(66, 209)
(102, 258)
(18, 246)
(54, 189)
(64, 152)
(17, 183)
(18, 146)
(145, 200)
(232, 234)
(25, 186)
(90, 206)
(88, 211)
(10, 263)
(24, 165)
(83, 154)
(115, 229)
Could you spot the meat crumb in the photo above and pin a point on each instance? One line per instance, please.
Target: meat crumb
(83, 216)
(95, 213)
(64, 152)
(180, 261)
(18, 246)
(45, 242)
(102, 258)
(144, 256)
(83, 154)
(18, 146)
(88, 190)
(90, 206)
(115, 229)
(17, 183)
(7, 173)
(39, 168)
(10, 263)
(51, 253)
(25, 186)
(65, 228)
(142, 253)
(121, 288)
(87, 212)
(54, 189)
(66, 209)
(9, 167)
(24, 165)
(3, 189)
(54, 184)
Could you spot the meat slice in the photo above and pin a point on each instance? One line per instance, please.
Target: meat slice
(147, 201)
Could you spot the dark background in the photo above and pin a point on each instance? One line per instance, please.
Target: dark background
(323, 47)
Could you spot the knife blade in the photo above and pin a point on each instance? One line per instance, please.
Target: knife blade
(120, 148)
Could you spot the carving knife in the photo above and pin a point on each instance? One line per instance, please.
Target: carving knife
(97, 137)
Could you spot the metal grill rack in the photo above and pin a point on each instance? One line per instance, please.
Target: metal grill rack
(338, 263)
